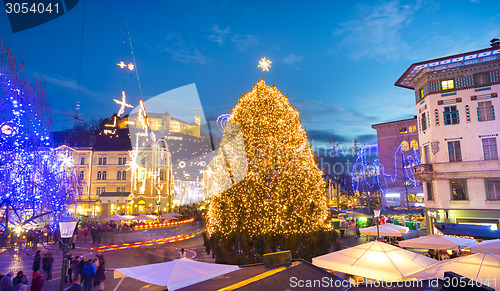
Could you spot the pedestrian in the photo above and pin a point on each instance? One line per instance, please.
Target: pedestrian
(37, 283)
(47, 263)
(76, 268)
(100, 276)
(88, 274)
(6, 282)
(81, 264)
(358, 233)
(182, 254)
(20, 279)
(36, 261)
(73, 241)
(76, 286)
(68, 278)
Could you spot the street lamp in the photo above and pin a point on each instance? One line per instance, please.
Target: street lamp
(376, 213)
(66, 228)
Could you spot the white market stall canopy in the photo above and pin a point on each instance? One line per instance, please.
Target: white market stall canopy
(490, 246)
(143, 217)
(115, 217)
(174, 214)
(175, 274)
(374, 260)
(400, 228)
(383, 231)
(438, 242)
(168, 216)
(485, 266)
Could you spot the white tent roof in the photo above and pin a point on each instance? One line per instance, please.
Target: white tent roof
(491, 246)
(175, 274)
(143, 217)
(115, 217)
(175, 214)
(486, 266)
(374, 260)
(400, 228)
(168, 216)
(437, 242)
(383, 231)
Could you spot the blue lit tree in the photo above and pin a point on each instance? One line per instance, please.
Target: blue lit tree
(34, 179)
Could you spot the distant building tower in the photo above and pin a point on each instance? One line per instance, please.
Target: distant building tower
(456, 98)
(397, 151)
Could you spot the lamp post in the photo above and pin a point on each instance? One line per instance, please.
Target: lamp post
(376, 213)
(66, 228)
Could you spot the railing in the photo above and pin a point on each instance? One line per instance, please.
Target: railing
(164, 224)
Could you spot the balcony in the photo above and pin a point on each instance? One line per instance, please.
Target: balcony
(423, 172)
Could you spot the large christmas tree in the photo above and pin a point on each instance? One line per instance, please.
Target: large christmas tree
(281, 202)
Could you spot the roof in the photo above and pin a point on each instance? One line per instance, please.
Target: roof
(272, 278)
(396, 121)
(454, 61)
(476, 231)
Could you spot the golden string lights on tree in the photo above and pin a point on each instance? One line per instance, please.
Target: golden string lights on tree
(283, 191)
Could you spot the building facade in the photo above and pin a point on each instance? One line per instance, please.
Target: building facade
(456, 98)
(398, 148)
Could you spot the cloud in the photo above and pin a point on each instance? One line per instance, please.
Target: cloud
(376, 31)
(218, 35)
(292, 59)
(243, 42)
(181, 52)
(70, 84)
(314, 110)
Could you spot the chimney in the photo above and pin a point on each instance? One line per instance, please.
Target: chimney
(495, 43)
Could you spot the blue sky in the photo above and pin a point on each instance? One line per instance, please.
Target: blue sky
(337, 60)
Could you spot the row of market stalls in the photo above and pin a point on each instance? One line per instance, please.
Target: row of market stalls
(369, 261)
(142, 217)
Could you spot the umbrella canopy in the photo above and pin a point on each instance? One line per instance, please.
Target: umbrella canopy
(175, 274)
(383, 231)
(144, 217)
(168, 216)
(175, 214)
(437, 242)
(374, 260)
(490, 246)
(115, 217)
(402, 229)
(484, 266)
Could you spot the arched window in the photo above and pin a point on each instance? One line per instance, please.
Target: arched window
(414, 145)
(118, 175)
(124, 175)
(104, 175)
(404, 146)
(99, 176)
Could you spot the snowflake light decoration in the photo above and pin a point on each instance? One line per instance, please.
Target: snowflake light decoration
(264, 64)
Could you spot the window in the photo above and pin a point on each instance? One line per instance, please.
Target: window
(493, 189)
(450, 115)
(119, 161)
(98, 191)
(100, 161)
(99, 175)
(104, 175)
(124, 175)
(421, 93)
(423, 121)
(490, 151)
(403, 130)
(122, 161)
(482, 79)
(427, 154)
(454, 151)
(447, 85)
(82, 174)
(458, 189)
(118, 189)
(123, 189)
(485, 111)
(118, 175)
(162, 174)
(103, 190)
(82, 161)
(404, 146)
(104, 161)
(428, 186)
(412, 129)
(414, 145)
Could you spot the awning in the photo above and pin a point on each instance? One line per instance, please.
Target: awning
(476, 231)
(438, 242)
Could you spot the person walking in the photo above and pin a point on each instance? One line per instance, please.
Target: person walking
(36, 261)
(37, 283)
(100, 276)
(76, 268)
(69, 272)
(88, 274)
(76, 286)
(6, 282)
(358, 233)
(73, 241)
(181, 254)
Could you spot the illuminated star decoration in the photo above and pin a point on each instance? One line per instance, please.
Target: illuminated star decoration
(123, 104)
(131, 66)
(264, 64)
(123, 65)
